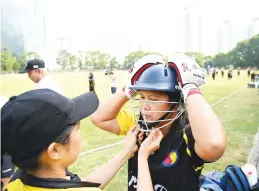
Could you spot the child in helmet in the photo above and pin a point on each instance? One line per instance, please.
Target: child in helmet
(167, 92)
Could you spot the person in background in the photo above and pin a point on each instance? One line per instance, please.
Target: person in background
(214, 74)
(217, 70)
(37, 72)
(253, 74)
(222, 72)
(248, 71)
(229, 74)
(113, 82)
(91, 82)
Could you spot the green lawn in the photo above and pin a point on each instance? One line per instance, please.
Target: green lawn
(239, 114)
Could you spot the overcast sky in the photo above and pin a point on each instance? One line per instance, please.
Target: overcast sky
(119, 26)
(116, 25)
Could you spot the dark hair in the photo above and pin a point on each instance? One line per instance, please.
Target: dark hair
(32, 163)
(63, 138)
(174, 97)
(182, 120)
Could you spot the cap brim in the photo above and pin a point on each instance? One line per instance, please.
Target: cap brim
(85, 105)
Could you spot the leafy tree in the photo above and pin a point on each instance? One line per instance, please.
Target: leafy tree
(198, 56)
(114, 63)
(73, 62)
(221, 60)
(245, 53)
(96, 59)
(8, 61)
(81, 60)
(63, 59)
(134, 56)
(31, 55)
(254, 48)
(21, 60)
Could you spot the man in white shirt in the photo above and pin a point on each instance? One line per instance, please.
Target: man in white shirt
(113, 82)
(37, 73)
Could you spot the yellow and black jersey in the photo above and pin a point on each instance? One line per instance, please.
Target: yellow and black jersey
(175, 166)
(26, 182)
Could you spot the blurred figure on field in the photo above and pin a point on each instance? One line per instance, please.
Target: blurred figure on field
(230, 74)
(222, 72)
(91, 82)
(113, 82)
(248, 71)
(213, 73)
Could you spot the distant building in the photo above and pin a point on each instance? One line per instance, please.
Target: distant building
(200, 33)
(12, 37)
(224, 37)
(254, 30)
(193, 30)
(187, 21)
(24, 27)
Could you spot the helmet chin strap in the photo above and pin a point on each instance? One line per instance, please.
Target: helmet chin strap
(150, 125)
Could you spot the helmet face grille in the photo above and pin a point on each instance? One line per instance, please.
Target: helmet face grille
(142, 116)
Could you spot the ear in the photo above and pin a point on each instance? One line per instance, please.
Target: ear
(55, 151)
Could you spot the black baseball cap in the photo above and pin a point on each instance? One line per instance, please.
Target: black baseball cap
(34, 64)
(31, 121)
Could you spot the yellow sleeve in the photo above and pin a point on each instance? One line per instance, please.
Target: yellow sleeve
(125, 120)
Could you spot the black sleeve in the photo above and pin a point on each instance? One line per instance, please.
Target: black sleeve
(7, 168)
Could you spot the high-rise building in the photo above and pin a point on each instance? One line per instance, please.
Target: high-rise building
(254, 30)
(224, 37)
(187, 36)
(200, 34)
(25, 27)
(193, 30)
(34, 27)
(12, 37)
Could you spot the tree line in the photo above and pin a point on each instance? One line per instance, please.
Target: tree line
(244, 54)
(12, 63)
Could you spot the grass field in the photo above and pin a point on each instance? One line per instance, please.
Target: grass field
(239, 114)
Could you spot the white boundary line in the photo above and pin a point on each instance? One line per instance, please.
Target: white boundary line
(100, 148)
(226, 97)
(119, 143)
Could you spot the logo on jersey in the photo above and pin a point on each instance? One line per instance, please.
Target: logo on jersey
(159, 187)
(171, 159)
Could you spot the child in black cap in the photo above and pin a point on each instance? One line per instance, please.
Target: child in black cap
(40, 130)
